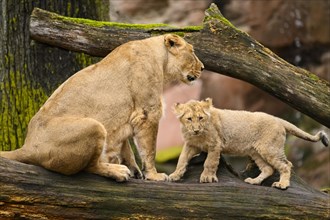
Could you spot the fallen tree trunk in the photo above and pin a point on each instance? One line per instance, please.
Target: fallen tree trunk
(220, 46)
(31, 192)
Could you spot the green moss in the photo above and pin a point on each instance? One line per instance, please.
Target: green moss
(102, 7)
(326, 190)
(19, 102)
(213, 12)
(68, 8)
(84, 60)
(13, 20)
(313, 77)
(181, 34)
(193, 28)
(100, 24)
(104, 24)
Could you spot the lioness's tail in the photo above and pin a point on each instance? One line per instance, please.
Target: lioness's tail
(18, 155)
(292, 129)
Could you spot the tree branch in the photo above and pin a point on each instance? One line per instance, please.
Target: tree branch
(31, 192)
(221, 47)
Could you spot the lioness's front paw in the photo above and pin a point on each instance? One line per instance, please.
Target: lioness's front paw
(281, 185)
(173, 177)
(121, 173)
(208, 178)
(156, 176)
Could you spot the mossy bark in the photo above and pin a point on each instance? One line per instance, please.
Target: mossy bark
(221, 47)
(30, 71)
(31, 192)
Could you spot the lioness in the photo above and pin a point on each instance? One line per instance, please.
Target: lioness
(86, 123)
(258, 135)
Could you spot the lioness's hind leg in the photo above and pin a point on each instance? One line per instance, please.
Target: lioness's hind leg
(265, 168)
(100, 164)
(115, 171)
(67, 145)
(129, 160)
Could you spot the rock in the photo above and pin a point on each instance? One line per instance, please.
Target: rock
(231, 93)
(279, 23)
(179, 13)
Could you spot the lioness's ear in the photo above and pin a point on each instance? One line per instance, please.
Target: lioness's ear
(207, 104)
(178, 110)
(173, 43)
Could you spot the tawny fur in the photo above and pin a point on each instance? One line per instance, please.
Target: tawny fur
(258, 135)
(86, 122)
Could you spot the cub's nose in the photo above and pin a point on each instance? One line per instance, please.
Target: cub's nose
(191, 78)
(196, 131)
(202, 68)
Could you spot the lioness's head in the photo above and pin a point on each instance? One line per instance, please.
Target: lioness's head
(182, 64)
(194, 116)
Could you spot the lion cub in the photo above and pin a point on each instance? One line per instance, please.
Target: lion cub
(258, 135)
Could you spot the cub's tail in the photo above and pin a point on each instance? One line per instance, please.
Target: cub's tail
(292, 129)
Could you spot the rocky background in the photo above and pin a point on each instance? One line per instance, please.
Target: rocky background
(297, 30)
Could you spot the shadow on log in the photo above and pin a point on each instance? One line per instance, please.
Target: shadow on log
(31, 192)
(219, 45)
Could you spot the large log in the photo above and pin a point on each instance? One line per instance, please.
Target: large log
(31, 192)
(221, 47)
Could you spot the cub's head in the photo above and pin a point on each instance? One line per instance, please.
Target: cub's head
(194, 116)
(183, 64)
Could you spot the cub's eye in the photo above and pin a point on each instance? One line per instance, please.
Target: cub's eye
(200, 118)
(189, 119)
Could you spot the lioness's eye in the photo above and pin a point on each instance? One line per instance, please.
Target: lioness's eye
(200, 118)
(189, 119)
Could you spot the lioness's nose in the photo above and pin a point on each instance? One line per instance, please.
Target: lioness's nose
(191, 78)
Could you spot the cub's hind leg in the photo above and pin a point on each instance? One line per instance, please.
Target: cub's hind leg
(265, 168)
(274, 155)
(284, 168)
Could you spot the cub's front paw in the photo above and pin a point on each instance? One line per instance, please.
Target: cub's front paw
(173, 177)
(205, 178)
(156, 176)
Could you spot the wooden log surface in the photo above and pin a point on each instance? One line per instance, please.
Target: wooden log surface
(220, 46)
(31, 192)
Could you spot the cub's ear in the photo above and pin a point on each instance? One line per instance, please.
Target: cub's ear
(173, 43)
(178, 110)
(207, 104)
(208, 101)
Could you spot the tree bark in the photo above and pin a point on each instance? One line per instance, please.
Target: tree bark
(31, 192)
(29, 71)
(220, 46)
